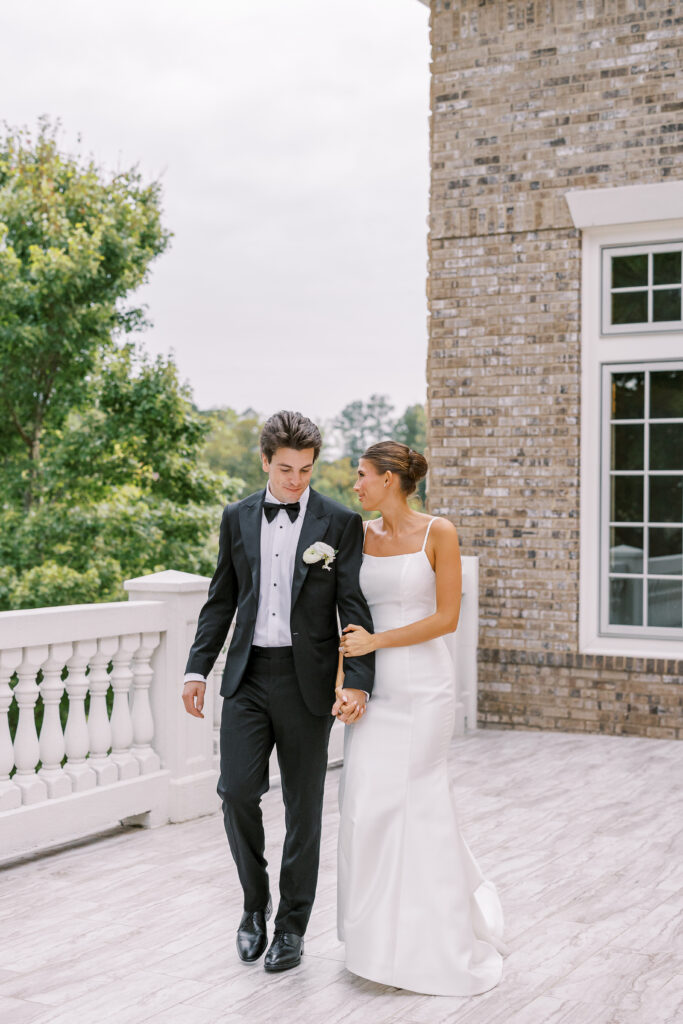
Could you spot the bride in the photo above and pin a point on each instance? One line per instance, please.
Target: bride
(413, 906)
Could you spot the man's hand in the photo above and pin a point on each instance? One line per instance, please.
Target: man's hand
(349, 706)
(193, 698)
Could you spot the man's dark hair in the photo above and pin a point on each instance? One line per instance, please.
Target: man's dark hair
(286, 429)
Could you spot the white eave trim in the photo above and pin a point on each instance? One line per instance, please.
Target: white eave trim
(628, 204)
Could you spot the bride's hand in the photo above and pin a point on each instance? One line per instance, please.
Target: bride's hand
(356, 641)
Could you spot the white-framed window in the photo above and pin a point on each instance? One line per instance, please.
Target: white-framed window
(641, 288)
(631, 515)
(641, 507)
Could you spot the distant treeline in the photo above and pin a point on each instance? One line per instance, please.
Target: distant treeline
(232, 444)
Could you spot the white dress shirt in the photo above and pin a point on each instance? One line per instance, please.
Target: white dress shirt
(279, 539)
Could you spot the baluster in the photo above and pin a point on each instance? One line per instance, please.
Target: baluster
(141, 712)
(99, 729)
(51, 744)
(26, 747)
(217, 677)
(121, 722)
(76, 738)
(10, 794)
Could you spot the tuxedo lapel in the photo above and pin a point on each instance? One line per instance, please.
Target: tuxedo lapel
(312, 529)
(250, 526)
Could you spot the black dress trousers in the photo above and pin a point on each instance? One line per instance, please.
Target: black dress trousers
(268, 709)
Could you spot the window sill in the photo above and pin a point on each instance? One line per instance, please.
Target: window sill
(622, 647)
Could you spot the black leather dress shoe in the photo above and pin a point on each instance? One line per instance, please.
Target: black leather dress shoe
(252, 937)
(285, 952)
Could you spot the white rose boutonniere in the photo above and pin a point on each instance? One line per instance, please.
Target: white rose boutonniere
(320, 552)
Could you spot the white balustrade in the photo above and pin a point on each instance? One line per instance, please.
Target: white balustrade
(76, 738)
(98, 771)
(141, 711)
(51, 744)
(26, 746)
(10, 794)
(462, 646)
(99, 728)
(121, 719)
(467, 643)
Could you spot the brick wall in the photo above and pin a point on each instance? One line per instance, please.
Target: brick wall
(528, 101)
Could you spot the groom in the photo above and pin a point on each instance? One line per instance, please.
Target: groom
(279, 678)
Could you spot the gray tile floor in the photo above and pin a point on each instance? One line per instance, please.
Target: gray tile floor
(582, 835)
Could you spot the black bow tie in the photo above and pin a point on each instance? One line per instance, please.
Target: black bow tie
(271, 510)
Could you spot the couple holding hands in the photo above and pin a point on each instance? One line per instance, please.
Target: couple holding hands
(413, 907)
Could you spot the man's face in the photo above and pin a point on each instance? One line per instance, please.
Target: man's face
(289, 472)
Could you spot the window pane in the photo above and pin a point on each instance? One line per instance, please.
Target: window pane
(664, 604)
(625, 550)
(666, 552)
(629, 307)
(627, 396)
(666, 499)
(630, 271)
(666, 446)
(627, 447)
(666, 304)
(666, 394)
(627, 499)
(667, 268)
(626, 602)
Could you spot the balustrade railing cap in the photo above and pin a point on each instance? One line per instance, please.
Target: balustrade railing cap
(170, 580)
(32, 627)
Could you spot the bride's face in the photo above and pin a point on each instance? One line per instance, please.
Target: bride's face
(370, 485)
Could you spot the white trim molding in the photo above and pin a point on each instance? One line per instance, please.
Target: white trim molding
(626, 204)
(621, 221)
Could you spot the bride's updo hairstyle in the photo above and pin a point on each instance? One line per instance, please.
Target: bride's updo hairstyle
(393, 457)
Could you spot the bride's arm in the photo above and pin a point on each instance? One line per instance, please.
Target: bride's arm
(448, 570)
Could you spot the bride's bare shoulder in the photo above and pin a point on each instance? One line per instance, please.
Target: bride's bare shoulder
(442, 527)
(443, 534)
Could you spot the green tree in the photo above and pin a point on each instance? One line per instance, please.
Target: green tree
(336, 480)
(232, 446)
(100, 470)
(361, 424)
(74, 242)
(126, 493)
(134, 424)
(411, 428)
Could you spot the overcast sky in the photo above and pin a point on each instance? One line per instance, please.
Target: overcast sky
(291, 138)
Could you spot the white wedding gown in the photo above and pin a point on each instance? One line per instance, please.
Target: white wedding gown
(413, 906)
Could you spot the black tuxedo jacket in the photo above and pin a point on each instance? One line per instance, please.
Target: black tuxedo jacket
(317, 593)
